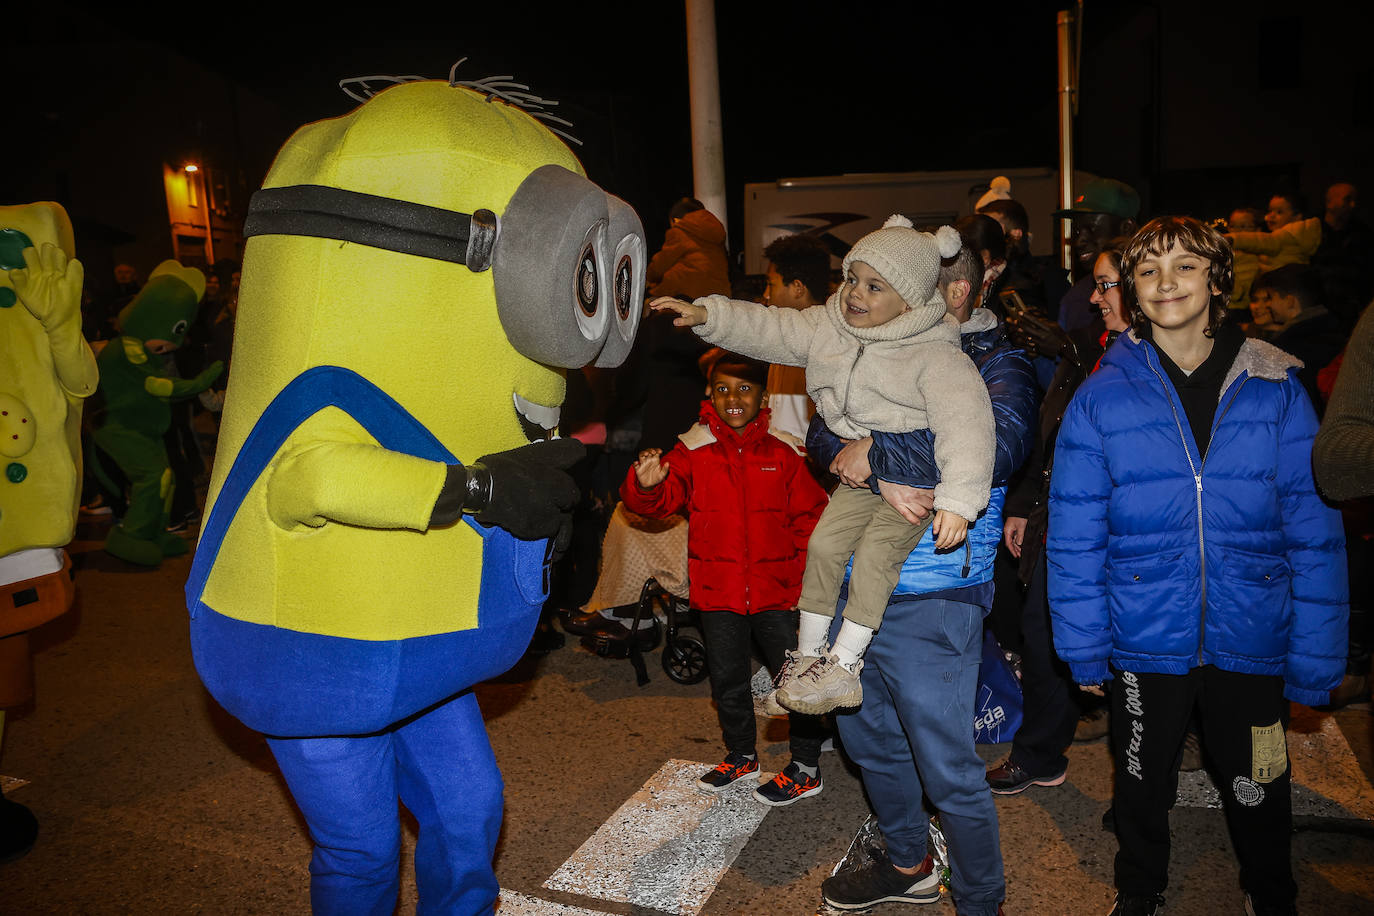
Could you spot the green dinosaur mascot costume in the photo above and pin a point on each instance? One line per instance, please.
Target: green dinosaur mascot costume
(139, 388)
(419, 274)
(46, 370)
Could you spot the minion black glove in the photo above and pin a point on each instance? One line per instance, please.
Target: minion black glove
(526, 490)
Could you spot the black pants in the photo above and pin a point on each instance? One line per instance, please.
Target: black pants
(1004, 617)
(1243, 720)
(183, 457)
(1050, 698)
(728, 652)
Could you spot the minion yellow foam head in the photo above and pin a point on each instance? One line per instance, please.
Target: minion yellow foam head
(385, 221)
(447, 248)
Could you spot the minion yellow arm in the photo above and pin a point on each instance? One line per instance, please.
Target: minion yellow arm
(49, 286)
(353, 484)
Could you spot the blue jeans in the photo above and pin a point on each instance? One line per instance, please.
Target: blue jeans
(441, 767)
(913, 738)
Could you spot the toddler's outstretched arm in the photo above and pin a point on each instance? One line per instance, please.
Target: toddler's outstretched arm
(689, 315)
(949, 529)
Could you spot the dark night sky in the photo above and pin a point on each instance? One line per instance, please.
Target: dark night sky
(807, 88)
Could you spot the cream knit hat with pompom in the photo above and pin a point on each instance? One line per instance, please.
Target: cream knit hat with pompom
(998, 189)
(909, 260)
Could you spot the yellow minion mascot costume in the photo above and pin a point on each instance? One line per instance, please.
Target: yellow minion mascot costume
(419, 273)
(46, 370)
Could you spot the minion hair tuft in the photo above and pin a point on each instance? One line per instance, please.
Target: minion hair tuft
(504, 87)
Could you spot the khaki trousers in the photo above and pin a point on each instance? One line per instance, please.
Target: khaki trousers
(860, 523)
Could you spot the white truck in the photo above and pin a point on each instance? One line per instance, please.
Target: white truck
(839, 209)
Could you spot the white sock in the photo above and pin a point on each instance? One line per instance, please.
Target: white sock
(814, 629)
(852, 642)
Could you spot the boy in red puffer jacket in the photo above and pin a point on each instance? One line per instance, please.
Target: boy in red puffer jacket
(751, 505)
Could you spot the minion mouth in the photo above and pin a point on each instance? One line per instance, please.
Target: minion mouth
(537, 421)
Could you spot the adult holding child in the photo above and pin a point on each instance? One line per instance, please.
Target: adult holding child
(880, 354)
(913, 737)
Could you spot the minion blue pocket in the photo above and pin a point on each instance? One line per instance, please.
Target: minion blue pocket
(513, 582)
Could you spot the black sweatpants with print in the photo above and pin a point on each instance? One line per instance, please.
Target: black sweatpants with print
(729, 649)
(1243, 719)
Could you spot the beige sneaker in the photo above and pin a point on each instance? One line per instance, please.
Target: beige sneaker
(823, 686)
(793, 665)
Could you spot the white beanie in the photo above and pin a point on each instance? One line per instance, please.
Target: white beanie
(908, 260)
(998, 189)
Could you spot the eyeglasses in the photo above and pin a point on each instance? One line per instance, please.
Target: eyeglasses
(1104, 285)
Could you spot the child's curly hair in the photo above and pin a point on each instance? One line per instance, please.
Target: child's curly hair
(1161, 234)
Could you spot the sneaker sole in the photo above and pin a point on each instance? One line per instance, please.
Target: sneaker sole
(931, 896)
(1017, 790)
(770, 706)
(762, 799)
(709, 789)
(819, 708)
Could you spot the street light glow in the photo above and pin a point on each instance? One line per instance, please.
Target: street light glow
(193, 168)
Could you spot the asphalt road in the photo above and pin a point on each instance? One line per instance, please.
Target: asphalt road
(153, 800)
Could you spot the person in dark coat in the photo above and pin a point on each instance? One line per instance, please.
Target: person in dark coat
(1292, 294)
(692, 262)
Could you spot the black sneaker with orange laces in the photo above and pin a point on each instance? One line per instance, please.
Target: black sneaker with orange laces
(788, 786)
(734, 766)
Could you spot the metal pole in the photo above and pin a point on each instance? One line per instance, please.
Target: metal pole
(1066, 101)
(708, 151)
(209, 216)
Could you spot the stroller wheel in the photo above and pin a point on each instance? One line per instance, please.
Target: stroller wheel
(684, 660)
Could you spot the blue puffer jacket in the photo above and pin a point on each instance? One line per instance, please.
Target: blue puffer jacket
(1161, 560)
(910, 458)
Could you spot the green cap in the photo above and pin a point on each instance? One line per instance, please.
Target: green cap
(1105, 195)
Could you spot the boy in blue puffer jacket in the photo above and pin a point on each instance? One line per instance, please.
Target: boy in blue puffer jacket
(1190, 555)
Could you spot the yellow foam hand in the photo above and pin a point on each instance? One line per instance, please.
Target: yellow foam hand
(49, 285)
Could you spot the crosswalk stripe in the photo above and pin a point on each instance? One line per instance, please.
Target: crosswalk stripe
(667, 846)
(513, 904)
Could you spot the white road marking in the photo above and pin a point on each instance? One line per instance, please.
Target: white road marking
(668, 846)
(513, 904)
(1327, 779)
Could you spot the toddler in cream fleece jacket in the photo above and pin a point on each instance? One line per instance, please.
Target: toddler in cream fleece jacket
(880, 354)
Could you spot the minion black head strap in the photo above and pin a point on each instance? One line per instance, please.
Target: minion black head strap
(568, 273)
(380, 222)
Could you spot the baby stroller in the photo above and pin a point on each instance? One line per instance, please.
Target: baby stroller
(684, 654)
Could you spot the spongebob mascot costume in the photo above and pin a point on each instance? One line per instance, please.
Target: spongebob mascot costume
(418, 275)
(46, 371)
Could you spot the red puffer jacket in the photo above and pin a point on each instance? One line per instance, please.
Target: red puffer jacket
(751, 504)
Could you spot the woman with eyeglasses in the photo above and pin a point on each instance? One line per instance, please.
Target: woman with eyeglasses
(1107, 294)
(1051, 699)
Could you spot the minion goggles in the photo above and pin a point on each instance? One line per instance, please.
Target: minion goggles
(567, 259)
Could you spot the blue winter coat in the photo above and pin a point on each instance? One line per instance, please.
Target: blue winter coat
(1162, 560)
(910, 458)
